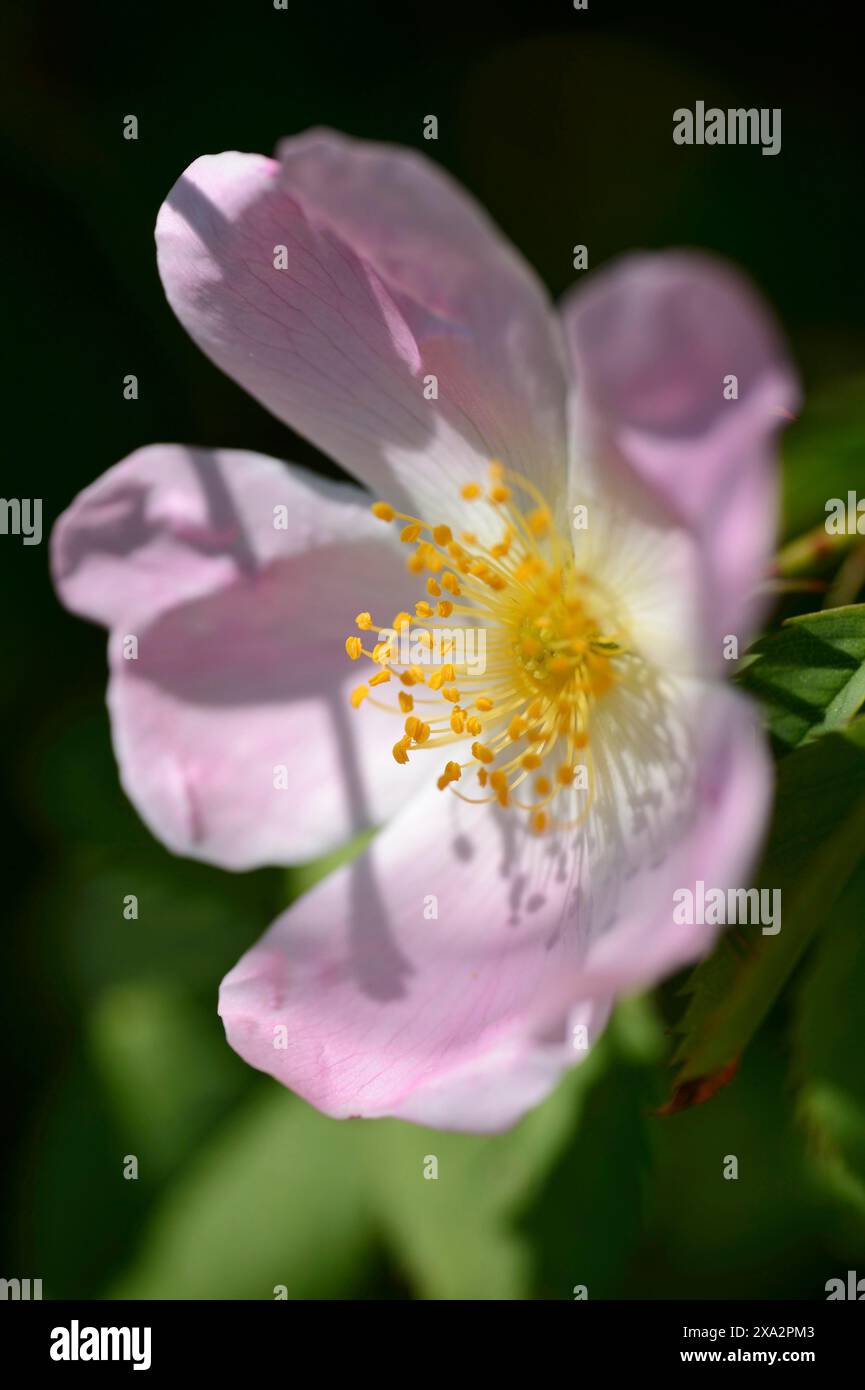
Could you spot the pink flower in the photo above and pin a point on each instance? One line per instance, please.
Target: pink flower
(540, 811)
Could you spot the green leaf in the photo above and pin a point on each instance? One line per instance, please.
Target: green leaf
(822, 454)
(276, 1199)
(754, 1237)
(166, 1069)
(584, 1221)
(809, 676)
(817, 839)
(453, 1235)
(473, 1232)
(827, 1026)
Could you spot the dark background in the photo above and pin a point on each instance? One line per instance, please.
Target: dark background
(561, 123)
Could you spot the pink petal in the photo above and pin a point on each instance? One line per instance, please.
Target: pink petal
(652, 340)
(241, 666)
(465, 1021)
(393, 274)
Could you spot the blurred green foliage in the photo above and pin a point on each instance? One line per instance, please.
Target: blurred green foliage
(111, 1043)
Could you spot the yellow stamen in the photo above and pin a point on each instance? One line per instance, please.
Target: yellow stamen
(554, 645)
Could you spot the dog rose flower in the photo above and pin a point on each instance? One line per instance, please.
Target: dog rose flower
(507, 648)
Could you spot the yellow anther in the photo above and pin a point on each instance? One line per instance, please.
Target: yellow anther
(581, 739)
(421, 733)
(380, 678)
(433, 587)
(422, 609)
(560, 665)
(436, 680)
(470, 491)
(449, 672)
(530, 761)
(516, 728)
(500, 493)
(411, 726)
(364, 621)
(444, 608)
(531, 646)
(358, 695)
(539, 822)
(411, 532)
(406, 702)
(452, 773)
(482, 776)
(458, 721)
(400, 750)
(496, 470)
(353, 647)
(565, 774)
(450, 693)
(499, 784)
(416, 563)
(449, 582)
(527, 569)
(473, 725)
(442, 534)
(535, 709)
(469, 537)
(483, 703)
(401, 620)
(381, 653)
(383, 510)
(539, 522)
(543, 786)
(482, 753)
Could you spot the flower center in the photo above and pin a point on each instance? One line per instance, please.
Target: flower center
(510, 653)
